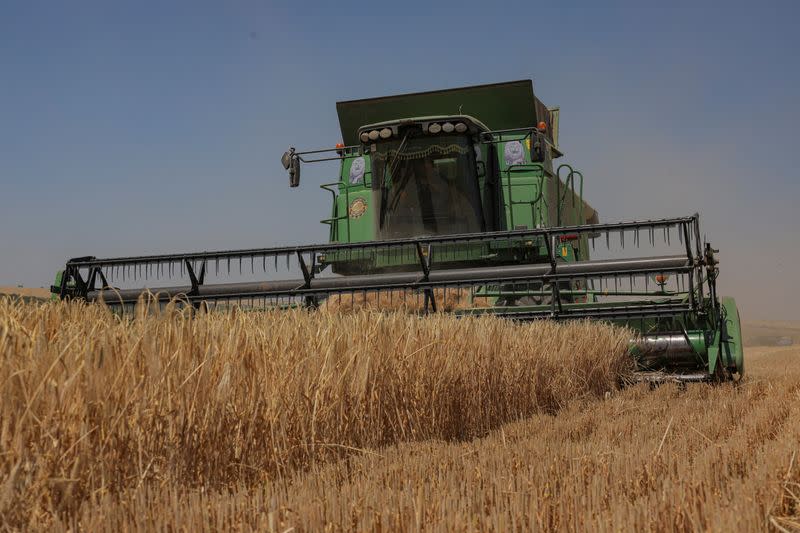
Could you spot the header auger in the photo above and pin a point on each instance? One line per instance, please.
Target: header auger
(449, 201)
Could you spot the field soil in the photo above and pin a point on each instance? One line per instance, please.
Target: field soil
(771, 333)
(359, 421)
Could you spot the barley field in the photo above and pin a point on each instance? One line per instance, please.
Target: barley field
(361, 421)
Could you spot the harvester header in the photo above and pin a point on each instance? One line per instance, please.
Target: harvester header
(450, 201)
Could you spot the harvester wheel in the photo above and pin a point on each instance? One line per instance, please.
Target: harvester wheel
(732, 347)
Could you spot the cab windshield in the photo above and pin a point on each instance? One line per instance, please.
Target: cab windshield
(429, 186)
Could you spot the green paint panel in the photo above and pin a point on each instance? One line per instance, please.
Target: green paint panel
(732, 349)
(357, 213)
(56, 288)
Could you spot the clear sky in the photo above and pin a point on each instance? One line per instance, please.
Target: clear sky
(143, 127)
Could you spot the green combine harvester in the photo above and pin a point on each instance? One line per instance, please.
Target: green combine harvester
(450, 201)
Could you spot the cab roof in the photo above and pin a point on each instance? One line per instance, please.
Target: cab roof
(498, 105)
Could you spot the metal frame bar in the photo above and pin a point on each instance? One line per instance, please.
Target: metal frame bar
(81, 274)
(342, 151)
(487, 137)
(415, 280)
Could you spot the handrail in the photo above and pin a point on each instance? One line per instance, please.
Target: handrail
(569, 184)
(334, 221)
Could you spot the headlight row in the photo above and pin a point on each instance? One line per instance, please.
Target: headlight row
(447, 127)
(433, 127)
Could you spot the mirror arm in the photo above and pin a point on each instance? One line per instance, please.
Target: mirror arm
(318, 159)
(335, 149)
(291, 159)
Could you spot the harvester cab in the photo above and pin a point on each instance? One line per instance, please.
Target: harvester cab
(451, 201)
(409, 170)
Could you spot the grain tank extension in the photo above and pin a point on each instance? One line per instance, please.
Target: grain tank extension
(456, 201)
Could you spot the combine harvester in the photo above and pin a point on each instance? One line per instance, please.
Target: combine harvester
(450, 200)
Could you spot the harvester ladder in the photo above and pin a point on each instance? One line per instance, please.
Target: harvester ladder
(510, 202)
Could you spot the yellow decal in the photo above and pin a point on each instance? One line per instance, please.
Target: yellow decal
(563, 251)
(357, 208)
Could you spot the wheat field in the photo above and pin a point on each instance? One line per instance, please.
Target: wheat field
(94, 406)
(702, 459)
(361, 421)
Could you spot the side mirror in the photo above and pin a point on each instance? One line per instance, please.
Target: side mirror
(291, 162)
(537, 149)
(541, 149)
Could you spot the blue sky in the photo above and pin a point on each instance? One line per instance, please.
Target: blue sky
(142, 127)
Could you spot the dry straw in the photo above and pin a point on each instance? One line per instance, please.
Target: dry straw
(94, 405)
(404, 300)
